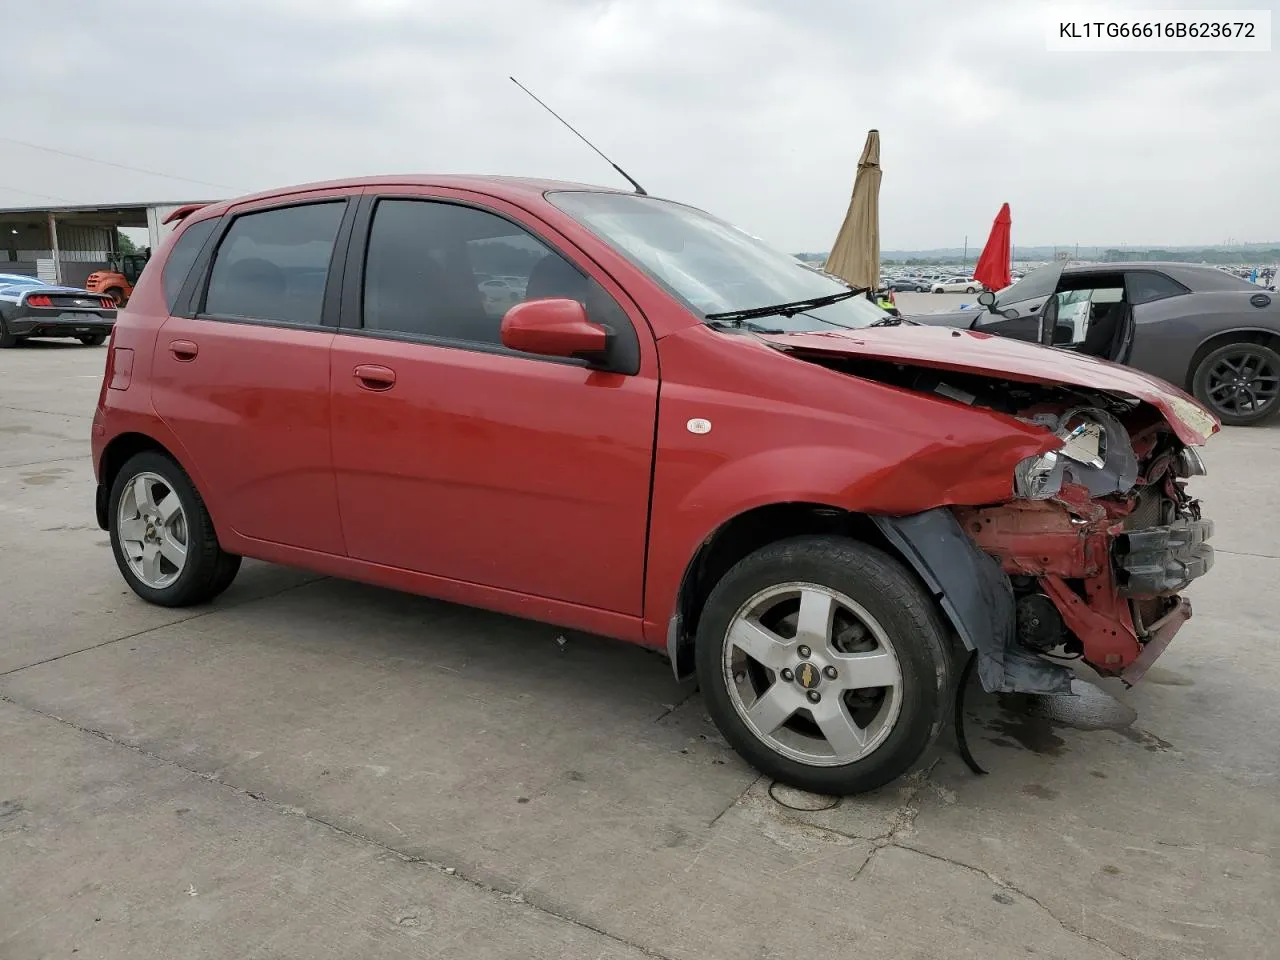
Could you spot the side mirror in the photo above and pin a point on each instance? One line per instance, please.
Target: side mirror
(986, 298)
(554, 328)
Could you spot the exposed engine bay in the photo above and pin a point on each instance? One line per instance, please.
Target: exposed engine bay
(1095, 546)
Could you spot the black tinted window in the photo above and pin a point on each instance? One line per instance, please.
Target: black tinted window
(273, 265)
(443, 270)
(1147, 285)
(185, 250)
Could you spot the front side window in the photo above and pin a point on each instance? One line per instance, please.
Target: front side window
(182, 257)
(273, 265)
(443, 270)
(710, 266)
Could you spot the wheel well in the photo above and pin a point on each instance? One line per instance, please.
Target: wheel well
(115, 456)
(1221, 340)
(744, 534)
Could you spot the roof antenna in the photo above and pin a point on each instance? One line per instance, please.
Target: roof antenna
(626, 176)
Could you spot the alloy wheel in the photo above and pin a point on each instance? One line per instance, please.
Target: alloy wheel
(812, 674)
(1243, 382)
(152, 526)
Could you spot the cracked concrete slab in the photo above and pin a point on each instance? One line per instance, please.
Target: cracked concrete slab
(110, 854)
(62, 592)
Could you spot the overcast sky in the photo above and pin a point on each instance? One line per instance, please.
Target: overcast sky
(753, 109)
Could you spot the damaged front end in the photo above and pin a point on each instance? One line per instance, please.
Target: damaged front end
(1100, 541)
(1087, 559)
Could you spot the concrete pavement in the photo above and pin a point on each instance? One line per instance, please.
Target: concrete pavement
(312, 768)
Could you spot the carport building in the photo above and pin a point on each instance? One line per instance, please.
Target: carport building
(66, 244)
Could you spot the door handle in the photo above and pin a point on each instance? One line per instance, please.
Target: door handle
(184, 350)
(374, 376)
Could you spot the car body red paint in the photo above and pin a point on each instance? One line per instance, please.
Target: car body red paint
(559, 492)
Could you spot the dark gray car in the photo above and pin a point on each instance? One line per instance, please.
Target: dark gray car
(1200, 328)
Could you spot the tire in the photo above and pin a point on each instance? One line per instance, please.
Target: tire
(938, 290)
(970, 290)
(116, 294)
(7, 339)
(1258, 397)
(228, 567)
(93, 339)
(206, 569)
(905, 721)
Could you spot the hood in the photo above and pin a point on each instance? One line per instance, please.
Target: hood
(969, 351)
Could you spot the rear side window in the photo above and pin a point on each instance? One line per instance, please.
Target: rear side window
(274, 265)
(1147, 285)
(183, 256)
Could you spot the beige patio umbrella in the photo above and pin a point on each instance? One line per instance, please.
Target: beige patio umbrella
(855, 256)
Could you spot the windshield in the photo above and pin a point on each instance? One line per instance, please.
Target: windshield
(711, 266)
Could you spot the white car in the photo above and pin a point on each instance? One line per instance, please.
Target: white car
(956, 285)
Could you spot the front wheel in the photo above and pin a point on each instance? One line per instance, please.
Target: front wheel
(970, 290)
(824, 663)
(1239, 383)
(93, 339)
(162, 535)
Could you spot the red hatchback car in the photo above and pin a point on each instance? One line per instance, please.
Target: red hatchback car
(619, 414)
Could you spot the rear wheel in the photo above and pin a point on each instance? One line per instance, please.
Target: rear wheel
(1239, 383)
(93, 339)
(824, 663)
(7, 339)
(162, 535)
(116, 294)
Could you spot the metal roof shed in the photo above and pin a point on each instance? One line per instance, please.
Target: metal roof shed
(64, 244)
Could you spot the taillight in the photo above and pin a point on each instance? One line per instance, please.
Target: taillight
(108, 303)
(39, 300)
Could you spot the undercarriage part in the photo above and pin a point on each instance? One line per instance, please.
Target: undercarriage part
(977, 598)
(1102, 623)
(1038, 623)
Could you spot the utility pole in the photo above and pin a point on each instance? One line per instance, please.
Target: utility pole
(965, 262)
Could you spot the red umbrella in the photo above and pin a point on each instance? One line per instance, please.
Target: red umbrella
(993, 269)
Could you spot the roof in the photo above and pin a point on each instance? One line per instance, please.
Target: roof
(511, 188)
(1196, 276)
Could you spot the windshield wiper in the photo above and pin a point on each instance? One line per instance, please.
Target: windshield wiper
(742, 325)
(785, 309)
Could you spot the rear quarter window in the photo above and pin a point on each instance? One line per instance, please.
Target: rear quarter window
(1144, 286)
(182, 257)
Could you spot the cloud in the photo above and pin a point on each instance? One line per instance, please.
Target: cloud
(753, 109)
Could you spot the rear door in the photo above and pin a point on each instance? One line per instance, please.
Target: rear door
(241, 369)
(460, 458)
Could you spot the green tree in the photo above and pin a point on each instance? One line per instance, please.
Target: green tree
(124, 244)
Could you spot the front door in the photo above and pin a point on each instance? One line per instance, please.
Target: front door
(244, 381)
(459, 458)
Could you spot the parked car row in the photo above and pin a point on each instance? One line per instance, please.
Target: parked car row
(671, 436)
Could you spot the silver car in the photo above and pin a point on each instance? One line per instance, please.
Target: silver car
(1200, 328)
